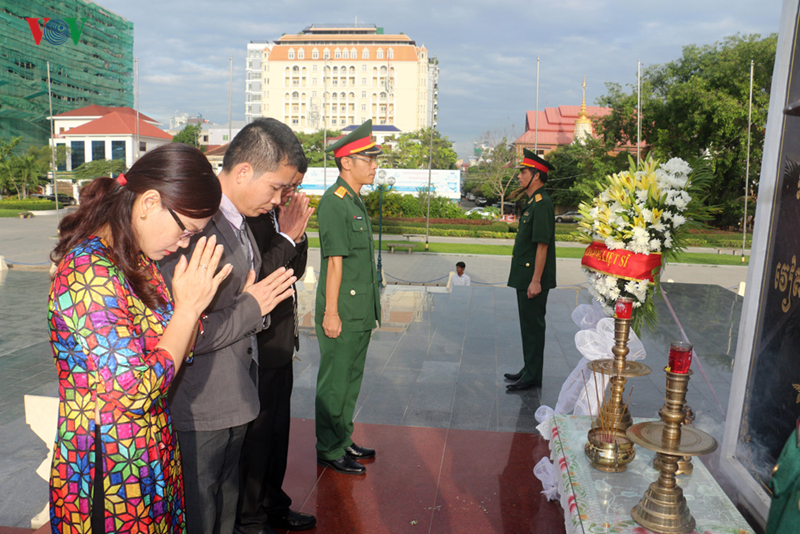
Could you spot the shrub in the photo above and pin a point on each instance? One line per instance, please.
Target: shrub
(27, 205)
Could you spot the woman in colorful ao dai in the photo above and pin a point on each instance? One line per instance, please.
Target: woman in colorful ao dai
(119, 337)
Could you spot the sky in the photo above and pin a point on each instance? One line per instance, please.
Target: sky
(487, 50)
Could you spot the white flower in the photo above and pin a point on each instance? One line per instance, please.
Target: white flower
(604, 196)
(677, 166)
(658, 227)
(647, 215)
(614, 293)
(637, 304)
(641, 195)
(655, 245)
(666, 215)
(678, 220)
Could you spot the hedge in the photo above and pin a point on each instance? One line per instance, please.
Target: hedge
(27, 205)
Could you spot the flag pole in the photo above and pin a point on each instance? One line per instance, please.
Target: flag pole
(747, 164)
(536, 119)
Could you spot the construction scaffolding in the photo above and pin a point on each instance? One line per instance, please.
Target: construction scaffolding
(97, 70)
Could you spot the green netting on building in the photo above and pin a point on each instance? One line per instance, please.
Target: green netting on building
(97, 70)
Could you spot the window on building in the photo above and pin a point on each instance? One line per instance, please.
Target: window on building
(363, 107)
(390, 54)
(314, 67)
(313, 94)
(345, 54)
(118, 150)
(326, 54)
(295, 121)
(379, 54)
(313, 81)
(291, 54)
(301, 54)
(78, 155)
(61, 166)
(98, 150)
(315, 55)
(337, 54)
(225, 137)
(365, 54)
(333, 121)
(143, 145)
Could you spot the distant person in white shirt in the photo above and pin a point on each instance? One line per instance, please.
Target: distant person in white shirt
(460, 279)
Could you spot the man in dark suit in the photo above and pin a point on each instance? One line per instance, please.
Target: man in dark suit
(214, 398)
(263, 505)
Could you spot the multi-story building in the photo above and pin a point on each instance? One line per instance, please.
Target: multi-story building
(90, 52)
(338, 75)
(252, 92)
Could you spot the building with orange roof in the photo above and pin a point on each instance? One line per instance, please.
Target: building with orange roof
(341, 75)
(561, 125)
(98, 132)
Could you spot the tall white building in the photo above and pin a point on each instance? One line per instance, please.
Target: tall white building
(339, 75)
(252, 93)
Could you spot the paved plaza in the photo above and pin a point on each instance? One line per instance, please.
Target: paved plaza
(435, 368)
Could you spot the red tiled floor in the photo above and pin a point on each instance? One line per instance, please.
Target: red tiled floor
(476, 481)
(487, 485)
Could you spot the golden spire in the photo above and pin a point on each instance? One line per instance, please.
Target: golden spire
(582, 117)
(583, 124)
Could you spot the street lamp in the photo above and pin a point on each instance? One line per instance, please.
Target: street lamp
(382, 181)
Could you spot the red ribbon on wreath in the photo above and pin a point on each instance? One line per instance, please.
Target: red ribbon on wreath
(621, 263)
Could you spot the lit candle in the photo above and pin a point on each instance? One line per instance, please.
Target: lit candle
(680, 357)
(624, 308)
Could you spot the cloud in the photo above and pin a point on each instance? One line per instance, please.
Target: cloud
(487, 52)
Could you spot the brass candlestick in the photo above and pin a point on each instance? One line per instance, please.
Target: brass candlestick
(607, 447)
(663, 507)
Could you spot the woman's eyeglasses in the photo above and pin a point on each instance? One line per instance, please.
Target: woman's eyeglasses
(186, 233)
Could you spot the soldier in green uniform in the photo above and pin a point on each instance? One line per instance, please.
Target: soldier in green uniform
(784, 513)
(348, 301)
(533, 269)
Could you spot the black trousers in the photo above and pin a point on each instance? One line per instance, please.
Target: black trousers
(211, 478)
(264, 453)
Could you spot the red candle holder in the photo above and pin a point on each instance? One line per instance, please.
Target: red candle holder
(624, 308)
(680, 357)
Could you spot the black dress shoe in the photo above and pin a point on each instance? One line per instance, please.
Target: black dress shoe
(513, 376)
(292, 520)
(359, 453)
(263, 530)
(520, 385)
(345, 465)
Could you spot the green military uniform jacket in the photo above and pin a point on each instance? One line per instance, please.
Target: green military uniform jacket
(537, 225)
(784, 514)
(345, 230)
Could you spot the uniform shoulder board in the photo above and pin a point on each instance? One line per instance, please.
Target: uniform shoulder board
(340, 191)
(538, 198)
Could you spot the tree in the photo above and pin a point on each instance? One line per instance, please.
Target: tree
(412, 151)
(497, 170)
(577, 169)
(314, 149)
(100, 167)
(189, 135)
(21, 173)
(698, 105)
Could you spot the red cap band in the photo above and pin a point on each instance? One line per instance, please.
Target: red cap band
(535, 164)
(351, 148)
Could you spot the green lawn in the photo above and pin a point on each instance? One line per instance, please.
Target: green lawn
(561, 252)
(10, 213)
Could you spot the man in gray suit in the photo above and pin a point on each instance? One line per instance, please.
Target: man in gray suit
(214, 397)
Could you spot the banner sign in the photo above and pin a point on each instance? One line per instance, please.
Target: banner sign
(407, 181)
(620, 263)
